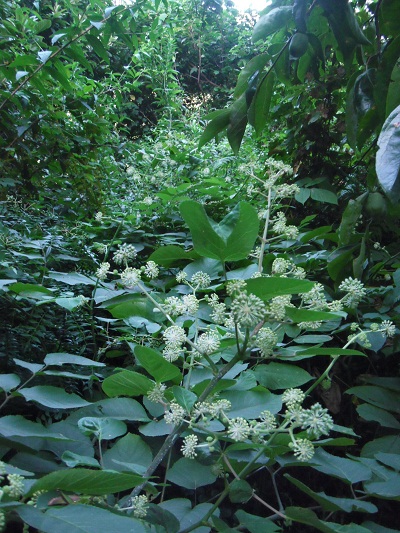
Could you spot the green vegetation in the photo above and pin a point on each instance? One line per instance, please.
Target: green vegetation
(200, 271)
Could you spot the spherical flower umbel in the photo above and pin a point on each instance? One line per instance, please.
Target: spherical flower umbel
(174, 335)
(316, 420)
(140, 505)
(130, 277)
(248, 310)
(238, 429)
(200, 280)
(175, 415)
(102, 271)
(151, 270)
(355, 291)
(188, 447)
(208, 343)
(303, 449)
(293, 397)
(125, 253)
(266, 341)
(388, 328)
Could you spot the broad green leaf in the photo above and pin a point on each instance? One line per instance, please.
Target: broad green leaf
(184, 398)
(307, 315)
(281, 376)
(190, 474)
(271, 22)
(240, 491)
(69, 303)
(388, 444)
(181, 508)
(156, 365)
(98, 47)
(53, 397)
(259, 108)
(72, 459)
(332, 352)
(102, 428)
(389, 459)
(218, 123)
(306, 516)
(323, 195)
(386, 488)
(256, 524)
(230, 240)
(30, 290)
(268, 288)
(169, 255)
(73, 278)
(165, 519)
(86, 481)
(127, 383)
(128, 452)
(206, 241)
(9, 382)
(249, 404)
(388, 156)
(79, 518)
(330, 503)
(118, 408)
(350, 218)
(379, 396)
(255, 64)
(237, 123)
(343, 468)
(62, 358)
(18, 426)
(375, 414)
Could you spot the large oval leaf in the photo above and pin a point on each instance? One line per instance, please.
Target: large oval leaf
(388, 156)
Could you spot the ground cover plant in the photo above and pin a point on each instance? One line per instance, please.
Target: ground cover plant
(199, 319)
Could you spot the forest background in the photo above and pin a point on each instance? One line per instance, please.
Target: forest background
(200, 275)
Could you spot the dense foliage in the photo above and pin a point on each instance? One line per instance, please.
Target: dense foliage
(199, 320)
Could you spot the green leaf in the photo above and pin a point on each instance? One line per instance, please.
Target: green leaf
(256, 524)
(69, 303)
(249, 404)
(52, 397)
(62, 358)
(375, 414)
(102, 428)
(190, 474)
(240, 491)
(324, 196)
(237, 123)
(73, 278)
(127, 383)
(98, 47)
(184, 398)
(167, 256)
(181, 508)
(271, 22)
(255, 64)
(388, 156)
(79, 518)
(30, 290)
(219, 123)
(84, 481)
(267, 288)
(130, 453)
(32, 367)
(118, 408)
(306, 516)
(156, 365)
(230, 240)
(18, 426)
(350, 218)
(9, 382)
(379, 396)
(281, 376)
(332, 352)
(389, 459)
(387, 488)
(307, 315)
(72, 459)
(345, 469)
(259, 108)
(330, 503)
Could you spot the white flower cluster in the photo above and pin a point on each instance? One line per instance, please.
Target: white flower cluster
(248, 310)
(175, 306)
(175, 415)
(130, 277)
(174, 337)
(140, 506)
(276, 307)
(286, 267)
(151, 270)
(156, 394)
(266, 340)
(188, 448)
(124, 254)
(355, 292)
(281, 228)
(208, 343)
(200, 280)
(102, 271)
